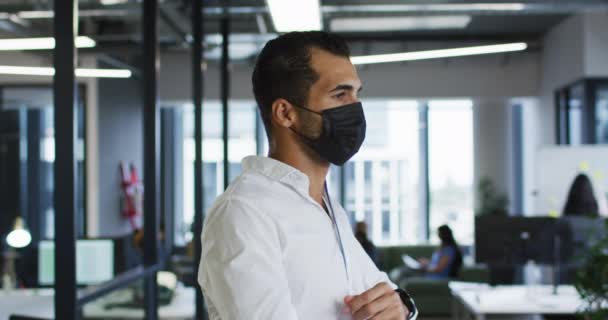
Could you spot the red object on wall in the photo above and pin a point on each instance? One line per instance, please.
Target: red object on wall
(132, 194)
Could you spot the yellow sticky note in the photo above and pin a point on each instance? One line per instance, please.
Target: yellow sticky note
(584, 166)
(598, 175)
(553, 213)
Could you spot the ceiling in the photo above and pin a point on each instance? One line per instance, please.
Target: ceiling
(117, 27)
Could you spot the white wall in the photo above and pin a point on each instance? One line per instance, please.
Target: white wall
(596, 45)
(492, 142)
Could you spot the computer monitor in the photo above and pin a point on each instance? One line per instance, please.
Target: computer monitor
(94, 262)
(512, 241)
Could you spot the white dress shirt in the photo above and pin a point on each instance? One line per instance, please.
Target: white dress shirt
(269, 251)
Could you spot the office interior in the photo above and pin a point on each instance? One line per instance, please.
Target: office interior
(488, 142)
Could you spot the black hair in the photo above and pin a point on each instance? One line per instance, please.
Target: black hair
(283, 69)
(447, 240)
(581, 199)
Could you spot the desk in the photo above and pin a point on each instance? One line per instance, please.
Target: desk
(182, 306)
(40, 303)
(479, 300)
(27, 302)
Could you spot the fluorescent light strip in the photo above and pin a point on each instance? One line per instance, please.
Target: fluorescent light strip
(436, 7)
(83, 13)
(399, 23)
(300, 15)
(40, 14)
(83, 73)
(40, 43)
(103, 73)
(113, 2)
(442, 53)
(469, 7)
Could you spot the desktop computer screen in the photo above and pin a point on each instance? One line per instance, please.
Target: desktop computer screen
(511, 241)
(94, 262)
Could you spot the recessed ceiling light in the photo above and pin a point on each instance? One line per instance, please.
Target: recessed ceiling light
(427, 7)
(399, 23)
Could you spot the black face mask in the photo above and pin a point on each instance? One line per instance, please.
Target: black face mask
(342, 133)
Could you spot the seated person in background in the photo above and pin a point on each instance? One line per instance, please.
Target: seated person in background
(447, 260)
(368, 245)
(581, 199)
(579, 227)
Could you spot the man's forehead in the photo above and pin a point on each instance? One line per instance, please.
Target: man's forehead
(334, 70)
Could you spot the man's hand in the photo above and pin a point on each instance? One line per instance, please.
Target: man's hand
(378, 303)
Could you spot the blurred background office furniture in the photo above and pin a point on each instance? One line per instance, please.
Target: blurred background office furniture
(478, 301)
(175, 301)
(113, 306)
(27, 302)
(433, 297)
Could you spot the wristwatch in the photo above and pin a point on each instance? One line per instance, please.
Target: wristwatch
(409, 303)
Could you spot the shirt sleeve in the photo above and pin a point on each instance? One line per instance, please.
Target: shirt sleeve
(241, 270)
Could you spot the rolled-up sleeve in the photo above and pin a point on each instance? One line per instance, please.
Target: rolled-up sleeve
(241, 269)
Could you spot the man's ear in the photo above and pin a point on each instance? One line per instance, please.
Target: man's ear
(283, 113)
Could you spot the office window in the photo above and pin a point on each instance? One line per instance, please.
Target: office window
(450, 126)
(575, 115)
(382, 180)
(601, 115)
(241, 143)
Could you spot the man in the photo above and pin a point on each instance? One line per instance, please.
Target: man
(274, 244)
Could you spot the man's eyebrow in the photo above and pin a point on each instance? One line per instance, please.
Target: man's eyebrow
(344, 87)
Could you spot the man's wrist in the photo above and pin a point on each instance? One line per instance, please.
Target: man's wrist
(407, 300)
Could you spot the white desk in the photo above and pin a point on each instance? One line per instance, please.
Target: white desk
(40, 303)
(182, 307)
(480, 300)
(27, 302)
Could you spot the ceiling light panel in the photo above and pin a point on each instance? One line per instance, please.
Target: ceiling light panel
(399, 23)
(300, 15)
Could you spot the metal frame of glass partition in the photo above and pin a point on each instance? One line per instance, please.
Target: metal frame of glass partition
(69, 301)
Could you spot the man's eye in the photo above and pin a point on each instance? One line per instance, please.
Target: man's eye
(340, 95)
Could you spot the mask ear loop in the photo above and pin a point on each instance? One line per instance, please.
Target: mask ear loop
(309, 140)
(304, 108)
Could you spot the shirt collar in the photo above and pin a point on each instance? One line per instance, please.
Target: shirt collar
(278, 171)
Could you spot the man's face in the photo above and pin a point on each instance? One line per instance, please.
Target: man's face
(338, 85)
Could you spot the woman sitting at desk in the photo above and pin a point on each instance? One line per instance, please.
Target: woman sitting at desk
(446, 260)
